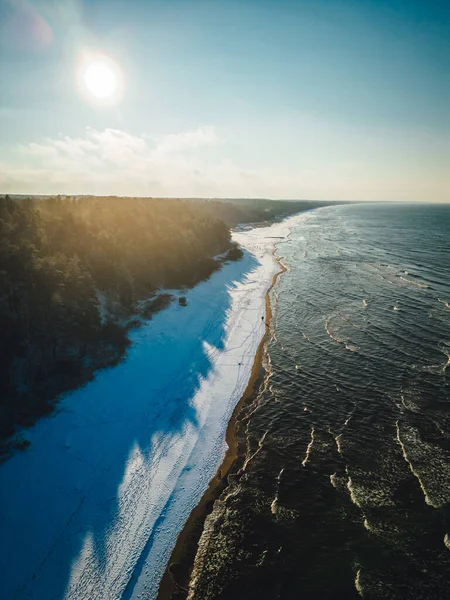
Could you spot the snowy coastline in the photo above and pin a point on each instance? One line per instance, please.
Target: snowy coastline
(93, 508)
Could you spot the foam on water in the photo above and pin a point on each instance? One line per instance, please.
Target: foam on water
(417, 283)
(274, 505)
(358, 583)
(339, 439)
(428, 463)
(309, 448)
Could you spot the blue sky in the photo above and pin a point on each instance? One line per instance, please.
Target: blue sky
(292, 99)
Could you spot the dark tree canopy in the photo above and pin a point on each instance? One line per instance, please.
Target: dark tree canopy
(60, 259)
(73, 271)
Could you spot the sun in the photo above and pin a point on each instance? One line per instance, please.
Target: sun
(100, 79)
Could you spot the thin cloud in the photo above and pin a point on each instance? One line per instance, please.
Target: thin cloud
(112, 162)
(190, 163)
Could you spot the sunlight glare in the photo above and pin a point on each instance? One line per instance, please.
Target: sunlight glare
(100, 79)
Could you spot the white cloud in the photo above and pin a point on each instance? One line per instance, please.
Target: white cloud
(116, 162)
(193, 163)
(175, 143)
(109, 162)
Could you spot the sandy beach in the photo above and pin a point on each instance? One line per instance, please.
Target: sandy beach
(183, 555)
(94, 507)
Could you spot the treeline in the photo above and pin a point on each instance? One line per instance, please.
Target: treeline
(71, 271)
(254, 210)
(74, 271)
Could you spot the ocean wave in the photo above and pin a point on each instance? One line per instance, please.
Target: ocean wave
(308, 338)
(309, 448)
(348, 320)
(386, 531)
(372, 495)
(439, 369)
(250, 457)
(352, 412)
(352, 347)
(274, 505)
(358, 583)
(410, 402)
(339, 482)
(384, 272)
(346, 343)
(429, 463)
(339, 441)
(417, 283)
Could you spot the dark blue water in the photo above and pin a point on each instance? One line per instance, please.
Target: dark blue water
(343, 487)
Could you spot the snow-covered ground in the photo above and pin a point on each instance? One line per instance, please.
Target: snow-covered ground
(92, 510)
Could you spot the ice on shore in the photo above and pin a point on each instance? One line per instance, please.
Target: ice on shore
(93, 508)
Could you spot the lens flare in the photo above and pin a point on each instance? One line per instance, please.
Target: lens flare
(100, 79)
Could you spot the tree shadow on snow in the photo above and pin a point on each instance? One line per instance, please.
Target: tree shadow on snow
(100, 459)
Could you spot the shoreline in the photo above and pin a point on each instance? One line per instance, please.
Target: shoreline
(190, 534)
(126, 460)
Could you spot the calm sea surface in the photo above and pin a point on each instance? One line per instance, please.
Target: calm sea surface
(344, 489)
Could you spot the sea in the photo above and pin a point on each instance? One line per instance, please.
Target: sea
(343, 486)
